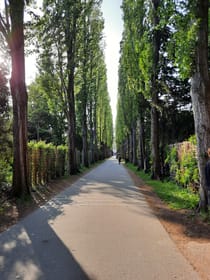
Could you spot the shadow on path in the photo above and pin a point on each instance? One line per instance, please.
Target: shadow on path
(32, 250)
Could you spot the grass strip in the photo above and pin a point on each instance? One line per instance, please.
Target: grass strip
(175, 196)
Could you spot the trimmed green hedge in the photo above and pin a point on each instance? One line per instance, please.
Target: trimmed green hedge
(46, 162)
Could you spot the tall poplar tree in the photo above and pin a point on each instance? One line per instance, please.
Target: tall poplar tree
(89, 49)
(190, 47)
(60, 28)
(12, 29)
(200, 91)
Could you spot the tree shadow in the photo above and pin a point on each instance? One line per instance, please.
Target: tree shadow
(188, 221)
(32, 250)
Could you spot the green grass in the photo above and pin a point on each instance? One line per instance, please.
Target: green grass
(169, 192)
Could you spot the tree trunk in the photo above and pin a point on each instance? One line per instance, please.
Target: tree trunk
(142, 154)
(70, 38)
(19, 99)
(200, 93)
(154, 92)
(92, 159)
(95, 140)
(129, 158)
(84, 139)
(131, 146)
(73, 169)
(134, 160)
(155, 143)
(84, 96)
(92, 133)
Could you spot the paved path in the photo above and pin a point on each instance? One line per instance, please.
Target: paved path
(100, 228)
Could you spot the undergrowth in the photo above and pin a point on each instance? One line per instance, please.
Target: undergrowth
(175, 196)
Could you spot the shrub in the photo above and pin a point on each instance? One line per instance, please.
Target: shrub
(172, 194)
(61, 160)
(182, 161)
(5, 172)
(46, 162)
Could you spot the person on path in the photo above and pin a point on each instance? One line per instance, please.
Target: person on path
(119, 158)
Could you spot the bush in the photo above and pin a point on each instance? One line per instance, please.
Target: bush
(6, 164)
(172, 194)
(46, 162)
(5, 172)
(182, 161)
(61, 160)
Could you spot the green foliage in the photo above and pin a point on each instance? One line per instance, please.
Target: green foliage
(149, 78)
(5, 130)
(187, 174)
(46, 119)
(61, 160)
(173, 195)
(72, 67)
(172, 161)
(145, 64)
(5, 171)
(181, 47)
(183, 164)
(46, 162)
(192, 139)
(104, 122)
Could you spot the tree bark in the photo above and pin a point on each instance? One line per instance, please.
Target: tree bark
(84, 139)
(70, 38)
(142, 153)
(134, 159)
(200, 93)
(73, 169)
(155, 143)
(84, 96)
(19, 99)
(154, 95)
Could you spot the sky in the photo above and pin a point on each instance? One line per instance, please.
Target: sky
(112, 35)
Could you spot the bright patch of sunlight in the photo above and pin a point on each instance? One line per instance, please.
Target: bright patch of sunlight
(23, 237)
(9, 246)
(26, 271)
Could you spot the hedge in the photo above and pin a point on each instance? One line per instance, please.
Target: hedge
(46, 162)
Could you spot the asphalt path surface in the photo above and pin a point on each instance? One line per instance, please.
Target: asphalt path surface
(100, 228)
